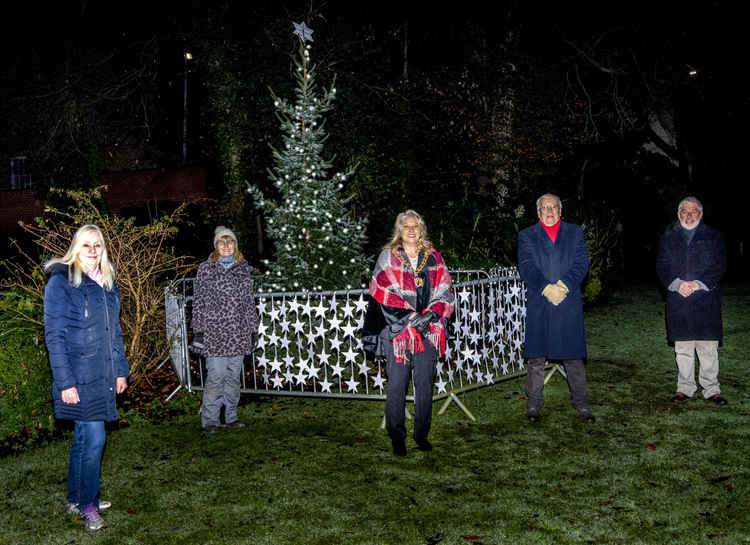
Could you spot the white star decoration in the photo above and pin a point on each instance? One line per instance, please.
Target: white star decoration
(361, 304)
(347, 309)
(320, 310)
(303, 31)
(325, 386)
(348, 330)
(335, 343)
(441, 384)
(350, 356)
(306, 342)
(352, 384)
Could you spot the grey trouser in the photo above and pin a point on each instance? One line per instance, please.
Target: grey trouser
(222, 387)
(579, 395)
(399, 374)
(708, 356)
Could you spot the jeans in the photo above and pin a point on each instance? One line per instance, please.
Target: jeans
(222, 387)
(423, 367)
(86, 463)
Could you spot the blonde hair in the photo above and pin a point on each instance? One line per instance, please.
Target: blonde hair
(75, 272)
(424, 243)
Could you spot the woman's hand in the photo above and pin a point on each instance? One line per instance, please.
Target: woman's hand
(70, 396)
(122, 384)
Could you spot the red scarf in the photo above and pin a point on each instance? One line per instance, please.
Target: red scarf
(552, 231)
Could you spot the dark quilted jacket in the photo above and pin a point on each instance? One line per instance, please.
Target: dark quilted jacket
(84, 342)
(224, 308)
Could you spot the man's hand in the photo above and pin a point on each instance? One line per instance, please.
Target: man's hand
(688, 288)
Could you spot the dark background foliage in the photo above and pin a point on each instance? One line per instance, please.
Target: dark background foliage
(464, 112)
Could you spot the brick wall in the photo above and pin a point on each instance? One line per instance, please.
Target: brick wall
(126, 189)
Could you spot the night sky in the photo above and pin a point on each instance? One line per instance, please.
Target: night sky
(662, 41)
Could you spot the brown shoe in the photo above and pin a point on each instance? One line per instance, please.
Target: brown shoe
(679, 397)
(718, 399)
(235, 424)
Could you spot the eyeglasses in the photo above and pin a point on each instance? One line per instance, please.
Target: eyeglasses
(686, 212)
(549, 208)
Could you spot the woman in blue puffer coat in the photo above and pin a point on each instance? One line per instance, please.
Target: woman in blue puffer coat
(87, 357)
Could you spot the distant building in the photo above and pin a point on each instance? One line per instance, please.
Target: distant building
(136, 192)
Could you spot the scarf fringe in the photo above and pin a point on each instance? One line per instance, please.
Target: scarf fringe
(410, 341)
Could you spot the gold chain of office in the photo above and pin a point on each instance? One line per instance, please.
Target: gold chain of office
(417, 280)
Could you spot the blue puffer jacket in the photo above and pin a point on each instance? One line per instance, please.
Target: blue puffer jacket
(84, 342)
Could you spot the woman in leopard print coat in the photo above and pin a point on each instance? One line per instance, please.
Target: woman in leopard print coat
(225, 321)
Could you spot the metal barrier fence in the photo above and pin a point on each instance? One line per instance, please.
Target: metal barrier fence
(309, 343)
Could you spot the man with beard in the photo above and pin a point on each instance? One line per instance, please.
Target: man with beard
(690, 263)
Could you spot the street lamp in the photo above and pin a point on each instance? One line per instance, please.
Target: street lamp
(187, 56)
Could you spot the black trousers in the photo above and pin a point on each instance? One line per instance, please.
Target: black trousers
(399, 375)
(579, 395)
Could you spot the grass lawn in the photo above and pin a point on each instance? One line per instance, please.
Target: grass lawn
(321, 472)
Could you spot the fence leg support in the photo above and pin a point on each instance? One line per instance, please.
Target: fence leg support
(406, 413)
(170, 396)
(163, 362)
(453, 398)
(557, 368)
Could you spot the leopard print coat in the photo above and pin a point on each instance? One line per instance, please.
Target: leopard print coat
(224, 308)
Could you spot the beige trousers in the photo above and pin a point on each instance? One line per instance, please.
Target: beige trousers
(708, 376)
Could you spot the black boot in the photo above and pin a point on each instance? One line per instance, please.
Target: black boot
(399, 447)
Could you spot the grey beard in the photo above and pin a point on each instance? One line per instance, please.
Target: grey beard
(697, 223)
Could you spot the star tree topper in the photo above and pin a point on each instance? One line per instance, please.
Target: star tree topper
(303, 31)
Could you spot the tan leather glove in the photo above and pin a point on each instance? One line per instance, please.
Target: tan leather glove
(547, 291)
(554, 294)
(563, 291)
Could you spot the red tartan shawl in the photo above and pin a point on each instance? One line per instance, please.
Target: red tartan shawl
(392, 285)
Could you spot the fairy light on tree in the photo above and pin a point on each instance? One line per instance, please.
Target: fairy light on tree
(314, 234)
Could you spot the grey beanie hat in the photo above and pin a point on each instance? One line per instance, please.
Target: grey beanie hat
(222, 231)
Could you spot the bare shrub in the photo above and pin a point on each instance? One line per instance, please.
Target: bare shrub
(144, 258)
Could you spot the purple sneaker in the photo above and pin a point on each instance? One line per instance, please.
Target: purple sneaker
(73, 507)
(92, 520)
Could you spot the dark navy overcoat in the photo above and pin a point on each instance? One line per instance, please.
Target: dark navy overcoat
(84, 342)
(555, 332)
(698, 316)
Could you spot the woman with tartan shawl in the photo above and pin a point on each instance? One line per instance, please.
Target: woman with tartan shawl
(412, 288)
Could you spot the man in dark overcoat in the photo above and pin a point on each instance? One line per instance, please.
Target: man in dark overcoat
(553, 262)
(691, 262)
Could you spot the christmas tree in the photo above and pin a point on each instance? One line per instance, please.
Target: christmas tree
(318, 244)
